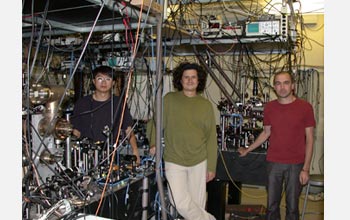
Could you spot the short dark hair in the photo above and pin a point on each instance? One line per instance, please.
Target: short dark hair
(105, 70)
(283, 72)
(178, 71)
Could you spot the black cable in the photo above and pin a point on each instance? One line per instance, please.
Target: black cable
(92, 110)
(172, 196)
(135, 204)
(27, 91)
(79, 193)
(32, 157)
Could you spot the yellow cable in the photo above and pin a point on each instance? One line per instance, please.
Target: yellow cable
(228, 174)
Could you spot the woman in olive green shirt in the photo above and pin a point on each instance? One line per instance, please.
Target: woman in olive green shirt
(190, 152)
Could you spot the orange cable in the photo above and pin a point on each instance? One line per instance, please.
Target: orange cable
(121, 119)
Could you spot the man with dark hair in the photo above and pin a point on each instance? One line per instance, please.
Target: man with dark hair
(289, 124)
(190, 152)
(98, 116)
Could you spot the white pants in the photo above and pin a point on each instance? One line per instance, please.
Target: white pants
(187, 188)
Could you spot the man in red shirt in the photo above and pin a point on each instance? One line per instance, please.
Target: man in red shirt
(289, 124)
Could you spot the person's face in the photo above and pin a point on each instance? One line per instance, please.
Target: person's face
(189, 80)
(103, 83)
(283, 85)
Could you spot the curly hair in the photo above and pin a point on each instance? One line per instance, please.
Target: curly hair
(178, 71)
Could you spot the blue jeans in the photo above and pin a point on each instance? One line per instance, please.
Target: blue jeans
(278, 174)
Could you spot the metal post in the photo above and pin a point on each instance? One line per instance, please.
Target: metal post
(159, 124)
(68, 148)
(145, 190)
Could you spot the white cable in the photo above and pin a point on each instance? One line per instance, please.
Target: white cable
(63, 204)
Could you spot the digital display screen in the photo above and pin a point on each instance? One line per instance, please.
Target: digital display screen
(263, 28)
(253, 28)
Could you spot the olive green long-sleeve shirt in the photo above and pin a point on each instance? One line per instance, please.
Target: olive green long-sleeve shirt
(189, 130)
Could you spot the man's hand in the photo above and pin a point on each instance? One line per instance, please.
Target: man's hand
(243, 151)
(210, 176)
(304, 177)
(152, 150)
(138, 159)
(76, 133)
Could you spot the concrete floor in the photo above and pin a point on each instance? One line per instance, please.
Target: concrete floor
(256, 195)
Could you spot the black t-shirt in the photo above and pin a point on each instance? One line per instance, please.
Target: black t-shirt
(91, 117)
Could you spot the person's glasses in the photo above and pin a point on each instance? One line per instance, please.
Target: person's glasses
(101, 79)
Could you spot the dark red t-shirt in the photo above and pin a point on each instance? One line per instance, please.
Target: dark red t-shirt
(288, 123)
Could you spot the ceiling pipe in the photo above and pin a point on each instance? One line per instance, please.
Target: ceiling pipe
(228, 80)
(110, 6)
(213, 76)
(69, 29)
